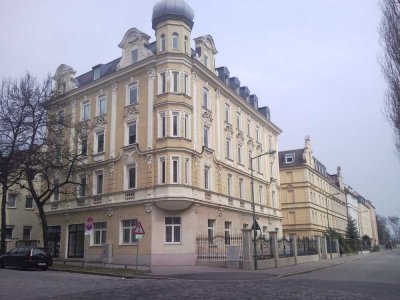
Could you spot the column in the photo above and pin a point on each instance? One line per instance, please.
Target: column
(248, 262)
(293, 245)
(151, 73)
(274, 246)
(113, 119)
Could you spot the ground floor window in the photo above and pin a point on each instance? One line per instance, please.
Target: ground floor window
(26, 233)
(127, 227)
(172, 230)
(100, 233)
(9, 232)
(53, 239)
(76, 240)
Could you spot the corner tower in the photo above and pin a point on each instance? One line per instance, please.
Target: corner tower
(172, 21)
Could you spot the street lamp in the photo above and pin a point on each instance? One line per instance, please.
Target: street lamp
(271, 152)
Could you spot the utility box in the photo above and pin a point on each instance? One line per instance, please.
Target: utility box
(107, 253)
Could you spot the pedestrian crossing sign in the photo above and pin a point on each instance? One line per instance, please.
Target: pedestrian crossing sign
(138, 229)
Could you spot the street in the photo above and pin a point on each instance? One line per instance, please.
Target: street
(369, 277)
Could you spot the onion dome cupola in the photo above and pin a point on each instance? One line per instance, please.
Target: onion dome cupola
(172, 10)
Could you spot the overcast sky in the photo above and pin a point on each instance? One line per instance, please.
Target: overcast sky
(313, 62)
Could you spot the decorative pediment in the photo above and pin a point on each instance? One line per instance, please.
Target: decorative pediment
(131, 36)
(240, 137)
(208, 42)
(207, 116)
(129, 155)
(130, 113)
(259, 147)
(100, 123)
(228, 130)
(250, 143)
(65, 79)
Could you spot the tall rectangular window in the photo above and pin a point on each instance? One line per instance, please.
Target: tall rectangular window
(134, 55)
(102, 105)
(227, 113)
(172, 230)
(186, 128)
(175, 169)
(175, 77)
(132, 133)
(56, 187)
(273, 200)
(163, 78)
(175, 124)
(133, 93)
(28, 202)
(187, 171)
(84, 145)
(161, 170)
(211, 231)
(205, 98)
(248, 128)
(259, 164)
(96, 73)
(206, 133)
(205, 60)
(238, 121)
(228, 229)
(9, 232)
(207, 177)
(228, 148)
(186, 84)
(229, 184)
(12, 201)
(162, 125)
(26, 233)
(240, 154)
(257, 135)
(100, 233)
(260, 194)
(241, 188)
(132, 177)
(100, 142)
(82, 185)
(127, 227)
(86, 111)
(175, 39)
(99, 183)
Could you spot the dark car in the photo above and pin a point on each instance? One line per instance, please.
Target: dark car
(27, 257)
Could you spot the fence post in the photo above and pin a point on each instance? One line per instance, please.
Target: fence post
(293, 241)
(274, 246)
(248, 261)
(323, 250)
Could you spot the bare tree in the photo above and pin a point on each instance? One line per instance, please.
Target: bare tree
(383, 231)
(49, 154)
(394, 223)
(390, 62)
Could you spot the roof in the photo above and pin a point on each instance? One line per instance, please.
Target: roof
(105, 69)
(297, 159)
(172, 9)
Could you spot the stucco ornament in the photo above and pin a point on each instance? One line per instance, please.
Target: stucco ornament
(110, 212)
(196, 208)
(130, 113)
(129, 154)
(148, 207)
(228, 130)
(67, 217)
(112, 169)
(100, 122)
(207, 117)
(149, 159)
(220, 212)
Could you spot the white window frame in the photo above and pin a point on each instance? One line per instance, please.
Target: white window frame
(289, 156)
(129, 88)
(163, 43)
(79, 187)
(175, 41)
(249, 128)
(96, 141)
(188, 171)
(162, 162)
(229, 184)
(227, 113)
(239, 121)
(186, 84)
(127, 136)
(175, 86)
(206, 139)
(162, 124)
(241, 188)
(162, 82)
(137, 55)
(227, 231)
(173, 225)
(26, 198)
(175, 122)
(228, 148)
(261, 194)
(257, 134)
(127, 169)
(205, 99)
(96, 73)
(96, 173)
(186, 125)
(211, 225)
(175, 159)
(240, 153)
(83, 115)
(14, 196)
(100, 99)
(131, 227)
(102, 234)
(207, 179)
(186, 44)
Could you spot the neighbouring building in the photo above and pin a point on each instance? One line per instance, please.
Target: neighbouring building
(312, 200)
(171, 143)
(352, 206)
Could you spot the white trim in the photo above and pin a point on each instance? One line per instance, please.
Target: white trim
(178, 175)
(160, 173)
(131, 165)
(134, 82)
(187, 179)
(100, 97)
(95, 183)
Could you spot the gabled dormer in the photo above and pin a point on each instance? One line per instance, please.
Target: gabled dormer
(135, 47)
(205, 47)
(64, 79)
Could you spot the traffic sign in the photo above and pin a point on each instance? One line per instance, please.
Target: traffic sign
(257, 226)
(89, 226)
(138, 229)
(89, 220)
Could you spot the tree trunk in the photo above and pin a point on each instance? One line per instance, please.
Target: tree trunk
(3, 245)
(44, 224)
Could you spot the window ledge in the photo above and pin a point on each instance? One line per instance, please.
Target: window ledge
(31, 209)
(12, 207)
(172, 244)
(128, 244)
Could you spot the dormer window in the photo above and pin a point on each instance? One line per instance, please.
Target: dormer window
(96, 73)
(175, 40)
(134, 56)
(186, 44)
(206, 60)
(162, 47)
(289, 158)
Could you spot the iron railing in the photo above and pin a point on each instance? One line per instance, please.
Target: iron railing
(285, 247)
(264, 248)
(213, 248)
(307, 246)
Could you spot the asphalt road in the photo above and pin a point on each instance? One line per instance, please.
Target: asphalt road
(377, 277)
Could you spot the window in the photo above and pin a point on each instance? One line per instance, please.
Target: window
(172, 230)
(99, 183)
(175, 78)
(248, 128)
(96, 73)
(229, 185)
(9, 232)
(259, 163)
(227, 113)
(161, 125)
(228, 229)
(56, 187)
(205, 98)
(131, 176)
(186, 84)
(133, 93)
(86, 111)
(84, 145)
(82, 185)
(28, 202)
(273, 200)
(205, 60)
(127, 227)
(241, 188)
(187, 170)
(186, 126)
(261, 194)
(228, 148)
(175, 170)
(162, 46)
(175, 40)
(288, 158)
(132, 133)
(100, 233)
(163, 83)
(206, 137)
(207, 177)
(26, 233)
(134, 55)
(175, 124)
(240, 154)
(100, 141)
(238, 121)
(211, 231)
(12, 201)
(257, 135)
(102, 105)
(186, 44)
(161, 170)
(76, 240)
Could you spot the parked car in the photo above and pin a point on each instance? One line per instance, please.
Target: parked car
(27, 257)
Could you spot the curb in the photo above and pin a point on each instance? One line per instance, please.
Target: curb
(307, 271)
(112, 275)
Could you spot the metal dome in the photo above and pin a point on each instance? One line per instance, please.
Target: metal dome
(172, 9)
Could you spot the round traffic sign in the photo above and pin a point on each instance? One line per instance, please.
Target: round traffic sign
(89, 226)
(89, 220)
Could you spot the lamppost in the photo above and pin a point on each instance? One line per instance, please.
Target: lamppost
(271, 152)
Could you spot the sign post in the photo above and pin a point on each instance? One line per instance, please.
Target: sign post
(138, 232)
(88, 232)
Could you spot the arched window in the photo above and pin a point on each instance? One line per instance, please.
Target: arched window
(186, 44)
(162, 48)
(175, 40)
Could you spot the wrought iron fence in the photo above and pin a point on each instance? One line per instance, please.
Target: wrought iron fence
(285, 247)
(331, 246)
(307, 246)
(264, 248)
(213, 248)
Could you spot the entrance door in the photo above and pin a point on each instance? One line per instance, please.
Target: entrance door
(53, 238)
(76, 240)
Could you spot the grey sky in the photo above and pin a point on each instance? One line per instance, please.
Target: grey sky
(314, 63)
